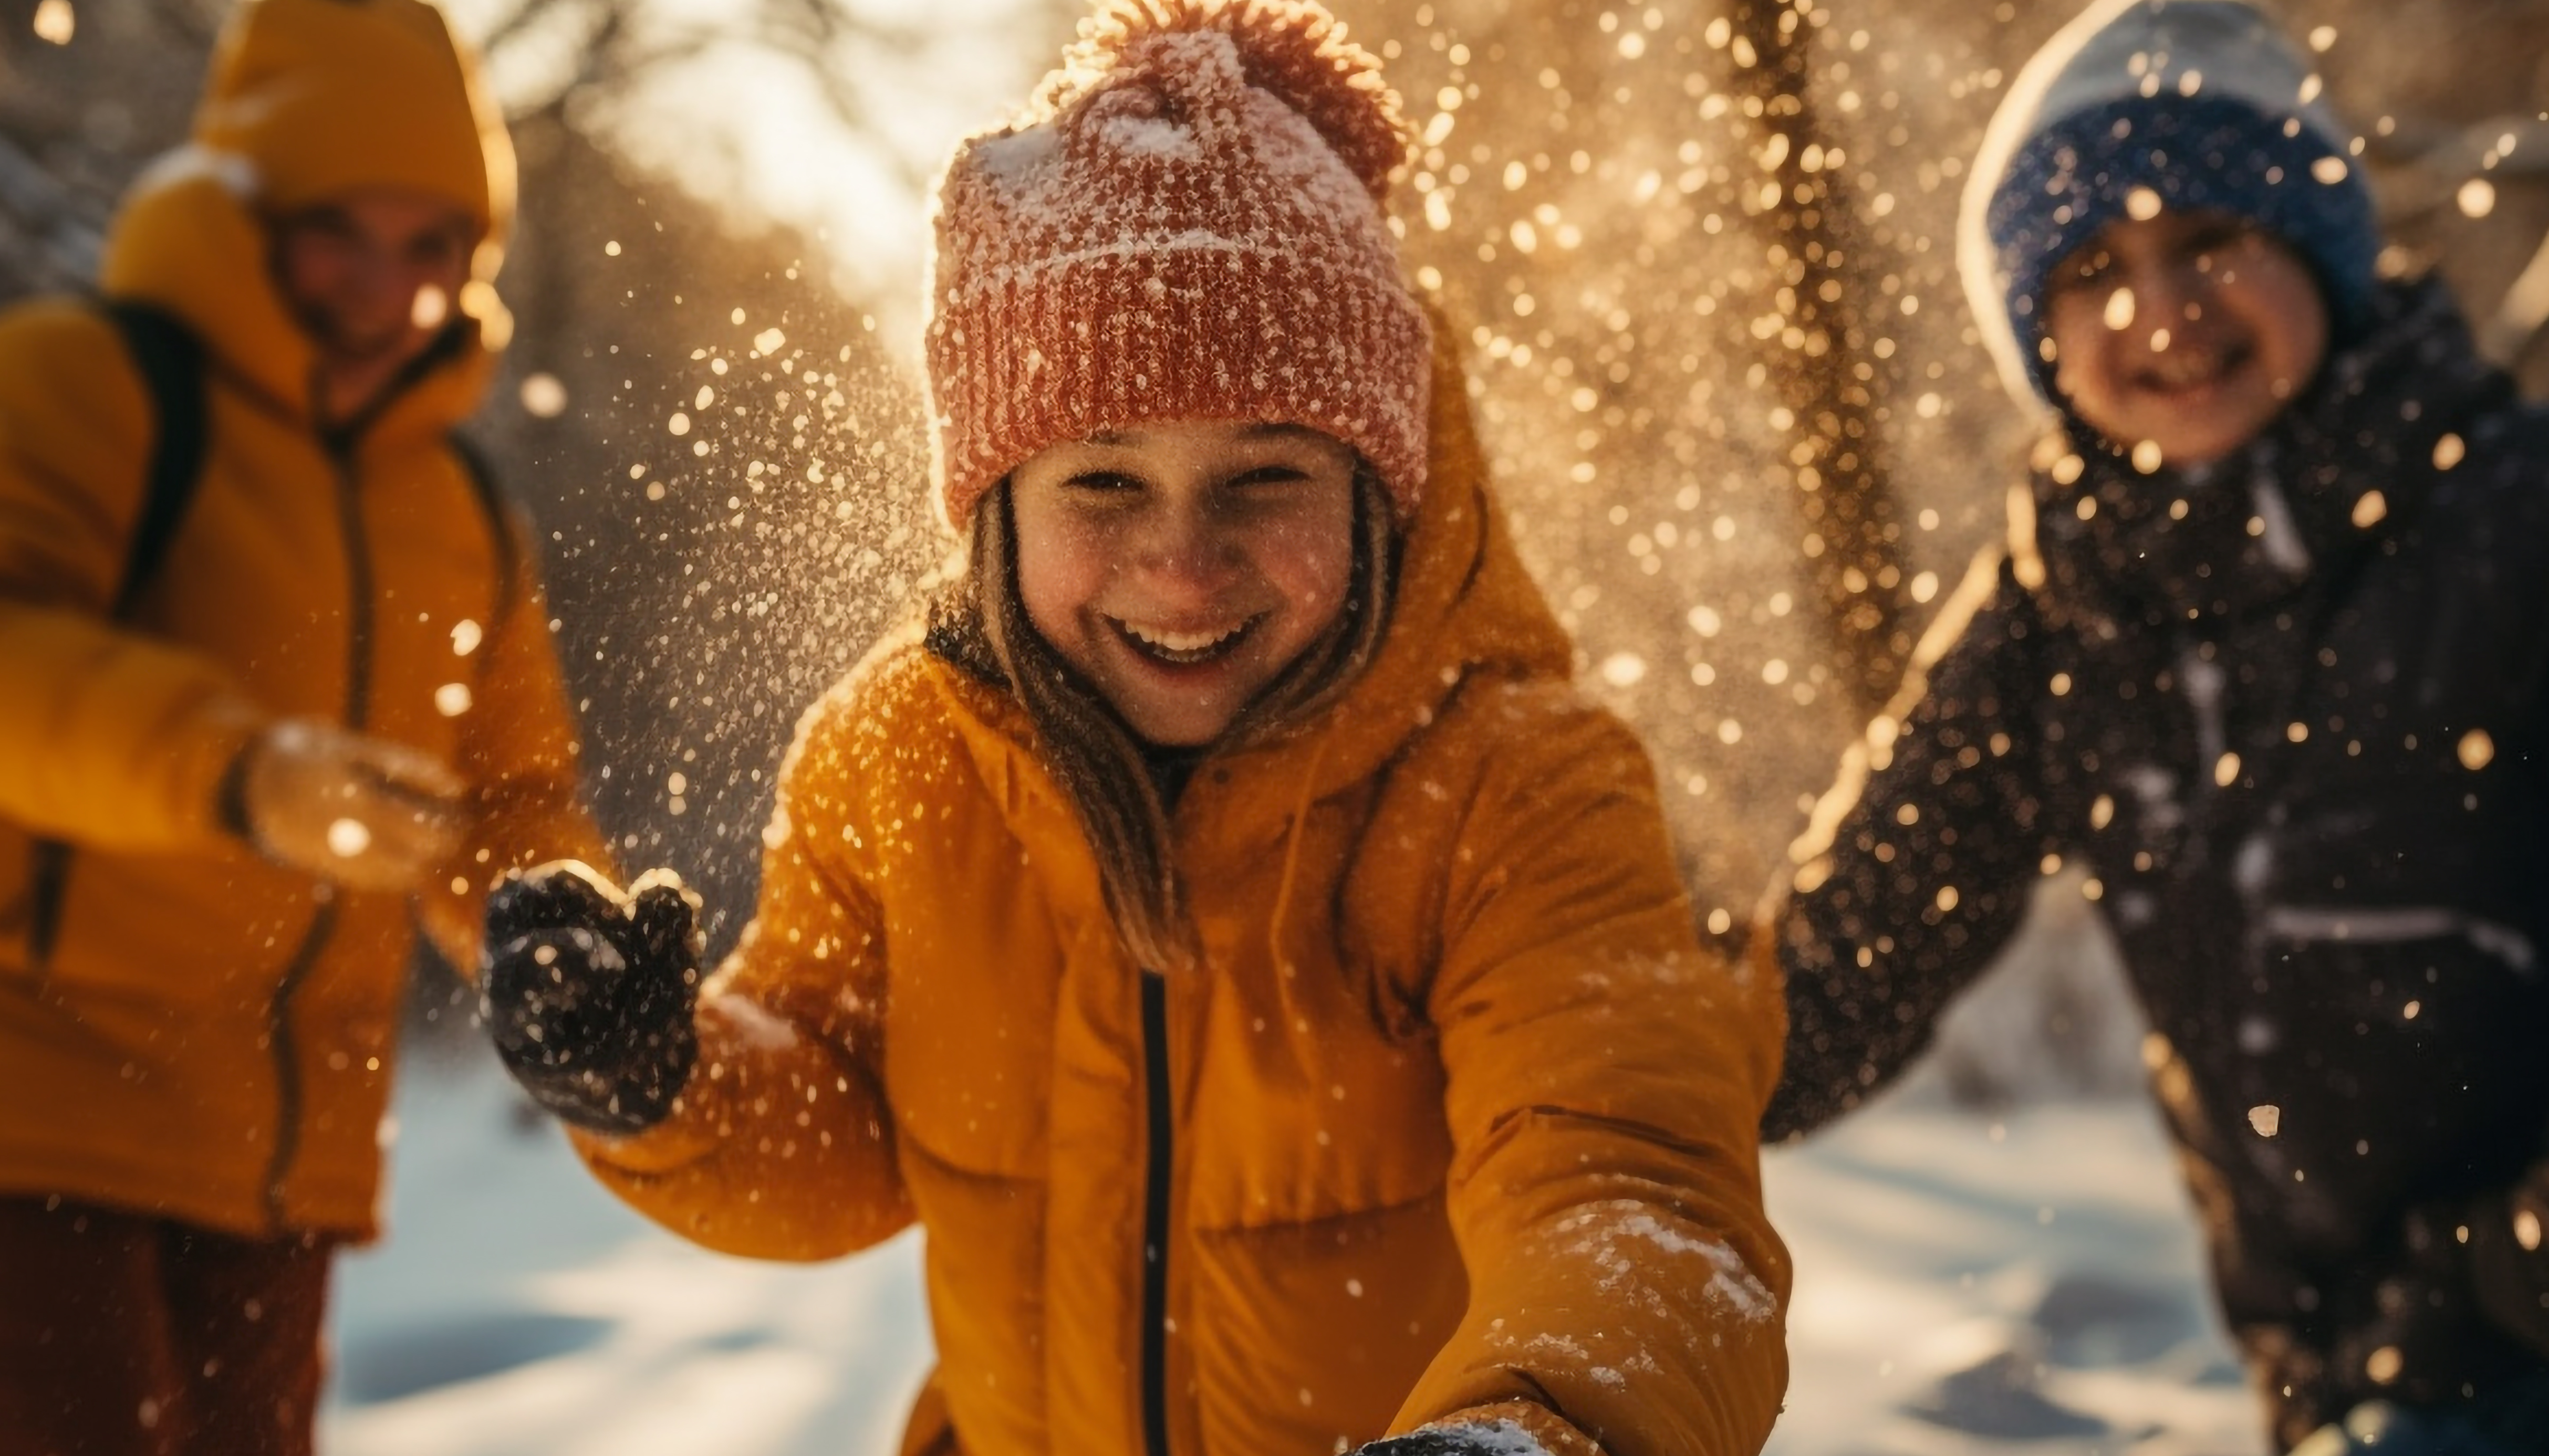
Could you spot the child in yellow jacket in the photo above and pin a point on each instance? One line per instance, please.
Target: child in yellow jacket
(1221, 926)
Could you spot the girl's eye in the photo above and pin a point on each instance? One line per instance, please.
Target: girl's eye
(2086, 273)
(2209, 246)
(1267, 475)
(327, 230)
(1103, 483)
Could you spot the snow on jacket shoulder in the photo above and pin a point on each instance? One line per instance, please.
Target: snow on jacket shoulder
(1458, 1113)
(208, 1035)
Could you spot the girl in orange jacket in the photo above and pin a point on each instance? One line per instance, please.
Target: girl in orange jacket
(1220, 925)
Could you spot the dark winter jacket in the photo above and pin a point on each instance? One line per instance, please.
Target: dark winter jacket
(2286, 713)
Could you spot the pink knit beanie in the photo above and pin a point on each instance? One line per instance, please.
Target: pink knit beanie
(1188, 224)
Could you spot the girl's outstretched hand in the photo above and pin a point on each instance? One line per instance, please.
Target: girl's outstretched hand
(588, 992)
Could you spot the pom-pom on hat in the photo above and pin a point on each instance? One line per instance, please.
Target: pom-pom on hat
(1187, 222)
(2201, 103)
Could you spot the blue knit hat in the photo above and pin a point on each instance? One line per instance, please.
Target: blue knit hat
(2203, 103)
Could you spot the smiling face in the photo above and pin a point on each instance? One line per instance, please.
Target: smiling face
(2188, 330)
(1180, 565)
(372, 276)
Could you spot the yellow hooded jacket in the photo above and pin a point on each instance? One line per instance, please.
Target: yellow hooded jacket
(1456, 1119)
(210, 1036)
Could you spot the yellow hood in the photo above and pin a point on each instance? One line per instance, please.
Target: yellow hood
(320, 96)
(308, 99)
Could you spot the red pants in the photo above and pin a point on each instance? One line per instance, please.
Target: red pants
(126, 1335)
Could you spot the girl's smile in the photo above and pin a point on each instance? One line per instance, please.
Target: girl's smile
(1189, 647)
(1180, 565)
(2187, 330)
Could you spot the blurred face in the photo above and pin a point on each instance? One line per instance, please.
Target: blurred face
(373, 275)
(1182, 566)
(2188, 330)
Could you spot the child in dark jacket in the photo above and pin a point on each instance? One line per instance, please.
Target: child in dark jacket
(2266, 655)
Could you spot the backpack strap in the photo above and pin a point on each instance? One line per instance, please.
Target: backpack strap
(170, 360)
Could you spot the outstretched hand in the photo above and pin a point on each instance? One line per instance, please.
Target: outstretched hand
(588, 992)
(350, 809)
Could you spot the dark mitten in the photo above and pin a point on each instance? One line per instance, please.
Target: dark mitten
(1504, 1438)
(587, 993)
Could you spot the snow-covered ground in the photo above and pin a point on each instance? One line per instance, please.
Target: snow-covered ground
(2025, 1286)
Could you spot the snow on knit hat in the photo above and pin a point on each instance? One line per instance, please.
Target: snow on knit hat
(2204, 104)
(1187, 222)
(321, 97)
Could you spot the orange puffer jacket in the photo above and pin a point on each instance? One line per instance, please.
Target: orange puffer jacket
(209, 1034)
(1454, 1122)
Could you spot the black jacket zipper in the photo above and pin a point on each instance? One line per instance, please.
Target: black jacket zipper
(287, 1058)
(1155, 1217)
(288, 1091)
(343, 445)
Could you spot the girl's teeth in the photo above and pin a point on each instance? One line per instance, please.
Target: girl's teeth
(1168, 641)
(2193, 368)
(1182, 648)
(2189, 372)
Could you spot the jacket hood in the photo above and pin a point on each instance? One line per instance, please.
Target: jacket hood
(322, 96)
(2199, 104)
(308, 99)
